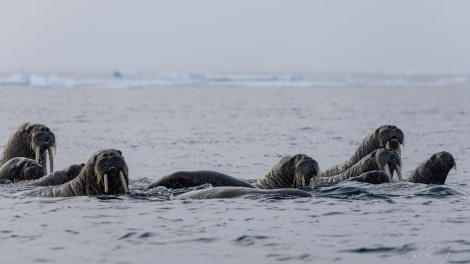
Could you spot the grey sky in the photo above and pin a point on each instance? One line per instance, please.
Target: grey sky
(235, 36)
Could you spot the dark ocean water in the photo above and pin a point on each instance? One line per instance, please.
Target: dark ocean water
(243, 132)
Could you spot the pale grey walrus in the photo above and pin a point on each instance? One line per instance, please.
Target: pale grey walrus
(57, 177)
(291, 172)
(184, 179)
(31, 141)
(105, 172)
(236, 192)
(20, 169)
(386, 160)
(433, 170)
(386, 136)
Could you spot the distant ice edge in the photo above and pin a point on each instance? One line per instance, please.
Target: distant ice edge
(130, 79)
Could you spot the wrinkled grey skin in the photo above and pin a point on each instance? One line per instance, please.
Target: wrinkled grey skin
(58, 177)
(30, 141)
(376, 140)
(236, 192)
(373, 161)
(90, 179)
(184, 179)
(20, 169)
(291, 172)
(434, 170)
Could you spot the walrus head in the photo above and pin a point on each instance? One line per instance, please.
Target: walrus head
(306, 168)
(20, 169)
(434, 170)
(442, 162)
(390, 137)
(42, 140)
(31, 141)
(389, 161)
(111, 171)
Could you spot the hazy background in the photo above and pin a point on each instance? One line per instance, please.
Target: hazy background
(235, 36)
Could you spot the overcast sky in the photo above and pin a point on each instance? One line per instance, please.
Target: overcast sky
(235, 36)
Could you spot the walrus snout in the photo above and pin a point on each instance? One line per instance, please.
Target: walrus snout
(389, 161)
(112, 171)
(306, 169)
(42, 140)
(391, 137)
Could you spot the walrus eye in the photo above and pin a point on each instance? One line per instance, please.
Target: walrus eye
(120, 153)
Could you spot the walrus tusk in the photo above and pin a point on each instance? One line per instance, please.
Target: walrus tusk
(316, 178)
(51, 159)
(387, 145)
(38, 155)
(400, 178)
(123, 181)
(455, 166)
(399, 150)
(387, 171)
(105, 182)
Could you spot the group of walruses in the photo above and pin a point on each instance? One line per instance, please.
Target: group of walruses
(378, 157)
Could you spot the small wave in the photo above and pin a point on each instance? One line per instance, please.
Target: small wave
(438, 191)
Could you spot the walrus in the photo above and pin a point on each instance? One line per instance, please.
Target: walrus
(20, 169)
(105, 172)
(235, 192)
(58, 177)
(433, 170)
(184, 179)
(291, 172)
(31, 141)
(386, 136)
(383, 159)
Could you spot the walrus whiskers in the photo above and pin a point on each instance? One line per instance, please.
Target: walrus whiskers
(105, 179)
(123, 181)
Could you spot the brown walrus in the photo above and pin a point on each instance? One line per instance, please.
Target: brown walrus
(20, 169)
(58, 177)
(31, 141)
(386, 136)
(105, 172)
(433, 170)
(386, 160)
(291, 172)
(236, 192)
